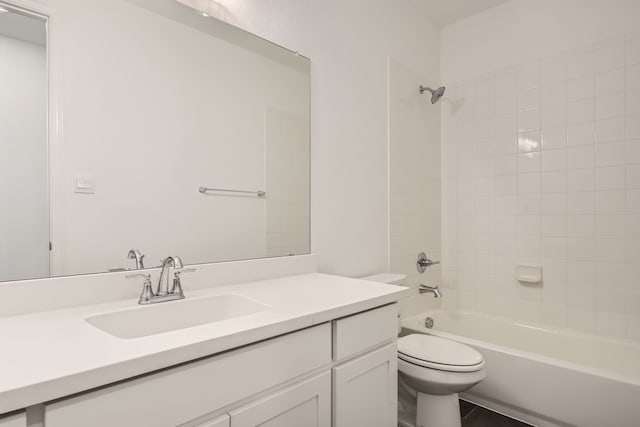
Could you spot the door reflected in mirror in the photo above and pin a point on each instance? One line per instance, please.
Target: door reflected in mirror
(155, 101)
(24, 217)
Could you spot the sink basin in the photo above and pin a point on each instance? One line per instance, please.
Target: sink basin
(154, 319)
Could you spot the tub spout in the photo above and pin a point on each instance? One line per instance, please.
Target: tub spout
(433, 289)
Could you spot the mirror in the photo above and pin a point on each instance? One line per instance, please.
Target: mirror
(149, 102)
(24, 217)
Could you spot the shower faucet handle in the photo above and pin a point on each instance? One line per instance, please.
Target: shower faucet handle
(423, 262)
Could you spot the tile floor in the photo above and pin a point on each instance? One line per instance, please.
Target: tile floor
(476, 416)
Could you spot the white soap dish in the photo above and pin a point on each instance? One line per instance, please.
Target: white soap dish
(529, 273)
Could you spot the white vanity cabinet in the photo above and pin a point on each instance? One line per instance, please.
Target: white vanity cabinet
(16, 420)
(341, 373)
(188, 392)
(365, 387)
(366, 390)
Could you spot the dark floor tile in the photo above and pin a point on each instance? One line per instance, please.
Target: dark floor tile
(466, 408)
(481, 417)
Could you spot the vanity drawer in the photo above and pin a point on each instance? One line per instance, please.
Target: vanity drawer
(305, 404)
(189, 391)
(362, 331)
(223, 421)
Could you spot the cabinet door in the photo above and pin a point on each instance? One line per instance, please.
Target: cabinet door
(365, 390)
(17, 420)
(307, 404)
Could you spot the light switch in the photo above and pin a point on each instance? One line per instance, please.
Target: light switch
(84, 184)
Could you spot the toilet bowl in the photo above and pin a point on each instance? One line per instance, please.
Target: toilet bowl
(432, 371)
(438, 369)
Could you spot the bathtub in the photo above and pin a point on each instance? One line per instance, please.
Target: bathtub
(542, 375)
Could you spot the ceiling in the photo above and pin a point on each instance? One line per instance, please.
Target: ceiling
(444, 12)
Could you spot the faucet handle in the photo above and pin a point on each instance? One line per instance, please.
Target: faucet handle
(423, 262)
(176, 288)
(147, 290)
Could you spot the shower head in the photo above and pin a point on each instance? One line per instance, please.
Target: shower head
(435, 94)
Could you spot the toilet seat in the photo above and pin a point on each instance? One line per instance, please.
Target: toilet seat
(433, 352)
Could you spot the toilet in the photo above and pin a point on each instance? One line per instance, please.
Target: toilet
(432, 371)
(438, 369)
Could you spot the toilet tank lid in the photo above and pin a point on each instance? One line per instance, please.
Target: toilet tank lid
(391, 278)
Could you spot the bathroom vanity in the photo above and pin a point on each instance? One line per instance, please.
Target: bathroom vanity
(322, 352)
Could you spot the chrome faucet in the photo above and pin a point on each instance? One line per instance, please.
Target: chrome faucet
(163, 293)
(433, 289)
(163, 282)
(135, 254)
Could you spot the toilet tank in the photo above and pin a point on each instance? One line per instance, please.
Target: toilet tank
(391, 279)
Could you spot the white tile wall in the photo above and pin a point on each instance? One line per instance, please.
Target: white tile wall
(287, 183)
(541, 166)
(415, 179)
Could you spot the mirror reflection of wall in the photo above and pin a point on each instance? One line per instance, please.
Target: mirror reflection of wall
(24, 213)
(161, 108)
(156, 100)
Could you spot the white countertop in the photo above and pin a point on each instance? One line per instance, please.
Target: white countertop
(52, 354)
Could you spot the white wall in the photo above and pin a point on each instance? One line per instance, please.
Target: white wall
(24, 216)
(541, 131)
(524, 30)
(348, 43)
